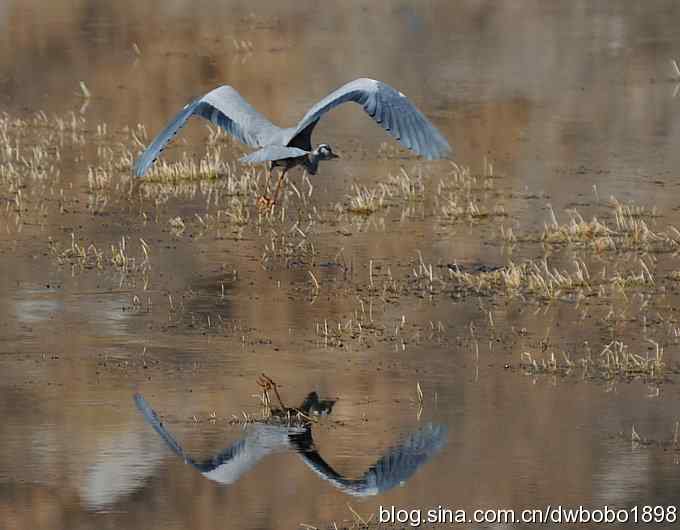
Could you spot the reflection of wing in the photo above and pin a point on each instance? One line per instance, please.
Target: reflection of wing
(227, 466)
(117, 470)
(260, 441)
(152, 419)
(394, 468)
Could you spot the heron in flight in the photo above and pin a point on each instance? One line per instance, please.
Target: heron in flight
(290, 147)
(395, 467)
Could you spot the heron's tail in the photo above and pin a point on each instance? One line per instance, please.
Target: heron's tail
(272, 152)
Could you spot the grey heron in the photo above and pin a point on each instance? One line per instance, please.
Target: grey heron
(290, 147)
(397, 465)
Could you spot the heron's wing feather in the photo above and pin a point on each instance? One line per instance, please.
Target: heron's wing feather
(391, 109)
(395, 467)
(224, 107)
(155, 148)
(272, 152)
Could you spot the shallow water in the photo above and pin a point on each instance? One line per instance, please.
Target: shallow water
(572, 102)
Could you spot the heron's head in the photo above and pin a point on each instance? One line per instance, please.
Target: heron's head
(324, 152)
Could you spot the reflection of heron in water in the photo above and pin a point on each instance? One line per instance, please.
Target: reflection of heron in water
(396, 466)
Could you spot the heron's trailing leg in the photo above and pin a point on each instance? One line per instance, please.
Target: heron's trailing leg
(279, 185)
(264, 201)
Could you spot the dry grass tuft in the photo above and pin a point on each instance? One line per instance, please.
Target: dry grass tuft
(614, 362)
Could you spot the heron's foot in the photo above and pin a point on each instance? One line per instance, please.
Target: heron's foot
(265, 203)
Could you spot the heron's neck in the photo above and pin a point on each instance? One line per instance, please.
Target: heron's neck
(312, 163)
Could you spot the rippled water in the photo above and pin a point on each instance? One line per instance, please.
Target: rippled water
(572, 102)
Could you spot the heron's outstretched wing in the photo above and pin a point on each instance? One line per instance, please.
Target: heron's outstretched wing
(272, 152)
(227, 466)
(391, 109)
(394, 468)
(224, 107)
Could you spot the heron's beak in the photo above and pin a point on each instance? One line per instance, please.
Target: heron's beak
(333, 155)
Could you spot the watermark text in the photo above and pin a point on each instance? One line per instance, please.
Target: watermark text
(549, 514)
